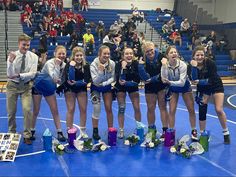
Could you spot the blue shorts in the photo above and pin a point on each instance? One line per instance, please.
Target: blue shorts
(101, 89)
(186, 88)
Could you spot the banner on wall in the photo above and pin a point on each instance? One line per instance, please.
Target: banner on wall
(94, 2)
(9, 143)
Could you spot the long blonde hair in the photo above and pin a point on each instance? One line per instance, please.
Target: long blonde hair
(76, 50)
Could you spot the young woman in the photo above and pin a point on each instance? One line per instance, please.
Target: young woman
(149, 72)
(45, 85)
(204, 75)
(127, 78)
(174, 73)
(77, 76)
(102, 71)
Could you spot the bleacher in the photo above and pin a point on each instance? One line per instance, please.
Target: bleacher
(223, 61)
(93, 15)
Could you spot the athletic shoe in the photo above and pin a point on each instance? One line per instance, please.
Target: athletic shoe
(61, 137)
(194, 135)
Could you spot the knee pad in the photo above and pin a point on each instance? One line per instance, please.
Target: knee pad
(95, 97)
(96, 110)
(121, 109)
(202, 112)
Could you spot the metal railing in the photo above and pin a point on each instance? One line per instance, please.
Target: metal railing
(6, 33)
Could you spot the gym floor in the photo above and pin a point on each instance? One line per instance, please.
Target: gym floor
(123, 160)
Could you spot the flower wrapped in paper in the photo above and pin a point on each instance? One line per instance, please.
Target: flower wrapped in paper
(83, 145)
(149, 142)
(57, 147)
(131, 140)
(185, 150)
(100, 146)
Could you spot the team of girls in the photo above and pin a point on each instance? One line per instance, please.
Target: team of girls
(165, 77)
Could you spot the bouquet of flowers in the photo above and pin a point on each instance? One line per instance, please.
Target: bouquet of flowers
(83, 145)
(181, 148)
(57, 147)
(87, 145)
(132, 140)
(100, 146)
(149, 142)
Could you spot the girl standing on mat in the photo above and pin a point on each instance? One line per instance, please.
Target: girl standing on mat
(77, 76)
(209, 83)
(127, 78)
(149, 71)
(102, 71)
(174, 73)
(45, 85)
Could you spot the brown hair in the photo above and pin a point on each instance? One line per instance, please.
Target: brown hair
(169, 48)
(24, 37)
(123, 53)
(100, 52)
(198, 48)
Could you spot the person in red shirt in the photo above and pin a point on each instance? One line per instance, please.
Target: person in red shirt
(84, 4)
(25, 18)
(176, 37)
(28, 9)
(53, 36)
(60, 5)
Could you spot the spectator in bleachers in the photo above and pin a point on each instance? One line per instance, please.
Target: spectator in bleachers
(121, 23)
(84, 5)
(60, 5)
(88, 42)
(136, 15)
(74, 39)
(13, 6)
(28, 9)
(185, 26)
(37, 8)
(171, 23)
(100, 30)
(194, 32)
(211, 39)
(46, 4)
(142, 38)
(132, 6)
(115, 27)
(69, 26)
(53, 36)
(166, 29)
(176, 37)
(25, 18)
(43, 47)
(46, 22)
(136, 45)
(130, 25)
(222, 44)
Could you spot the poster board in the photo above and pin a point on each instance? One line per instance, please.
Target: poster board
(9, 143)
